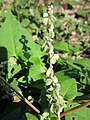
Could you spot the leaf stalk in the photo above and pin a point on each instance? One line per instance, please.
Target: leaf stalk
(75, 108)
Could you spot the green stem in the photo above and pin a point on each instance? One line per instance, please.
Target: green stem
(75, 108)
(20, 96)
(58, 117)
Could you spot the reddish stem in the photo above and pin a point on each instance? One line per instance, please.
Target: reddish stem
(75, 108)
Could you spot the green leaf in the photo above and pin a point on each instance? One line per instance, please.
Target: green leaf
(35, 71)
(25, 22)
(68, 84)
(12, 70)
(18, 42)
(76, 48)
(14, 84)
(66, 74)
(81, 96)
(69, 89)
(10, 34)
(82, 12)
(71, 64)
(85, 62)
(79, 114)
(37, 67)
(62, 76)
(86, 80)
(86, 28)
(31, 116)
(24, 12)
(73, 2)
(22, 79)
(33, 26)
(63, 46)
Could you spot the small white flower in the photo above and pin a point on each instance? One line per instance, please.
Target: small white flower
(49, 22)
(31, 11)
(55, 79)
(47, 37)
(50, 10)
(51, 51)
(48, 96)
(56, 56)
(45, 21)
(50, 89)
(58, 86)
(48, 82)
(51, 33)
(45, 15)
(52, 26)
(46, 48)
(44, 116)
(52, 108)
(35, 37)
(50, 39)
(48, 72)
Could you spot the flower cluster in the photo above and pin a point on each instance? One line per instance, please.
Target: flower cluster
(56, 102)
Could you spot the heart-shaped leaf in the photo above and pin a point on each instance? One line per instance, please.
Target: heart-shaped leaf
(18, 42)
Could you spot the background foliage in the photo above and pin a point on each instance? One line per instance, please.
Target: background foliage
(23, 63)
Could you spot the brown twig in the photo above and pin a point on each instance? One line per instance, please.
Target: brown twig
(39, 5)
(75, 108)
(20, 96)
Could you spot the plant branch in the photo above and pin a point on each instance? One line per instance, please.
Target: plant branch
(40, 3)
(75, 108)
(20, 96)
